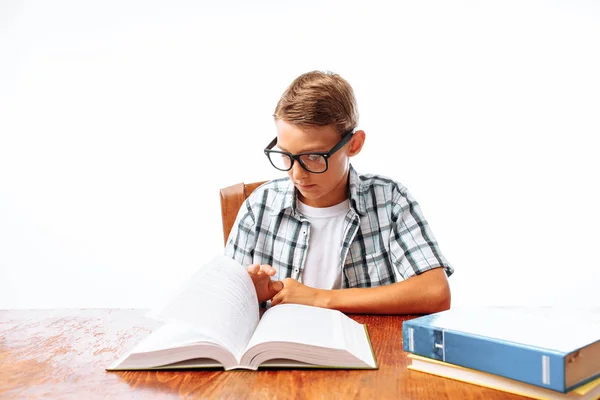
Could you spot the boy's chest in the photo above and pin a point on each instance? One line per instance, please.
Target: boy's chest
(363, 252)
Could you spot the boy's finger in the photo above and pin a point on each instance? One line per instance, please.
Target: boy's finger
(275, 286)
(267, 269)
(275, 300)
(253, 269)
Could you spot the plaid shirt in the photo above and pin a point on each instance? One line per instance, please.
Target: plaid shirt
(386, 239)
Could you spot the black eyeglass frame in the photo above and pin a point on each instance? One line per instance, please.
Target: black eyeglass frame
(296, 157)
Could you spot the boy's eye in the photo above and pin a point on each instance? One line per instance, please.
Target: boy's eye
(313, 159)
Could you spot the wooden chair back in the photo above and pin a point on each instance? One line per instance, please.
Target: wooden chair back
(232, 198)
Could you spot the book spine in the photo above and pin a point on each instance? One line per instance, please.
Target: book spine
(511, 360)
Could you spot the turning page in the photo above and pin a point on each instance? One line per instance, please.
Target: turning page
(218, 301)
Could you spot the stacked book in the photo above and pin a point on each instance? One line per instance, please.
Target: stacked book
(542, 353)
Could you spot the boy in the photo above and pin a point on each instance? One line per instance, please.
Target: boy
(327, 236)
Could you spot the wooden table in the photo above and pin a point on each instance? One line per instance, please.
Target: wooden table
(58, 354)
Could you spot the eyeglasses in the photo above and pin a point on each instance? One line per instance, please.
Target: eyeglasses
(315, 162)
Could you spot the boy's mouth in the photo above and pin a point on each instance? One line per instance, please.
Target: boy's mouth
(304, 187)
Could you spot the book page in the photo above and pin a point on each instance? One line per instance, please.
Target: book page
(169, 344)
(219, 301)
(172, 334)
(354, 334)
(300, 324)
(296, 332)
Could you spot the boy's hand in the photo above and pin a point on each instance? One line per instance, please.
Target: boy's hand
(297, 293)
(261, 277)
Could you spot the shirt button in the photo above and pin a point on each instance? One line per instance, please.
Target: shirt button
(304, 232)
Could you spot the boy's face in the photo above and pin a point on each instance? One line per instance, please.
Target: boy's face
(328, 188)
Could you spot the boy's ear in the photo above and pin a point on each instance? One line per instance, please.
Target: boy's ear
(356, 143)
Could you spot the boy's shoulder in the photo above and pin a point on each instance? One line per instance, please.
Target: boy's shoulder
(374, 194)
(370, 180)
(375, 184)
(272, 195)
(274, 186)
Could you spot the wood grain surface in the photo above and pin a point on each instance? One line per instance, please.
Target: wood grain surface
(62, 354)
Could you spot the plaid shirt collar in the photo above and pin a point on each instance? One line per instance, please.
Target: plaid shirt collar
(289, 195)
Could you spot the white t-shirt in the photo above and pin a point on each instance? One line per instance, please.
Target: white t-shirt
(322, 267)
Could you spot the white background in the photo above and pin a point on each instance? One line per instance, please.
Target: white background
(119, 122)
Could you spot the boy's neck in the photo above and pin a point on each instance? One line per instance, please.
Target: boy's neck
(337, 195)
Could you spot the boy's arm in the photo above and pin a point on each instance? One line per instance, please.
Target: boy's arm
(415, 255)
(421, 294)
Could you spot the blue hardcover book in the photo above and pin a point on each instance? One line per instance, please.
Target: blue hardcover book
(546, 347)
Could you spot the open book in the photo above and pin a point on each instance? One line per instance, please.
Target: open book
(213, 321)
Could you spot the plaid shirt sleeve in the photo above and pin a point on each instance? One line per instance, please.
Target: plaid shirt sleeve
(413, 247)
(242, 238)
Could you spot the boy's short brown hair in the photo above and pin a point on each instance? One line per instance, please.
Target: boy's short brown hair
(319, 98)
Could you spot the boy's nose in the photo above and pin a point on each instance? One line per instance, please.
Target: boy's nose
(298, 173)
